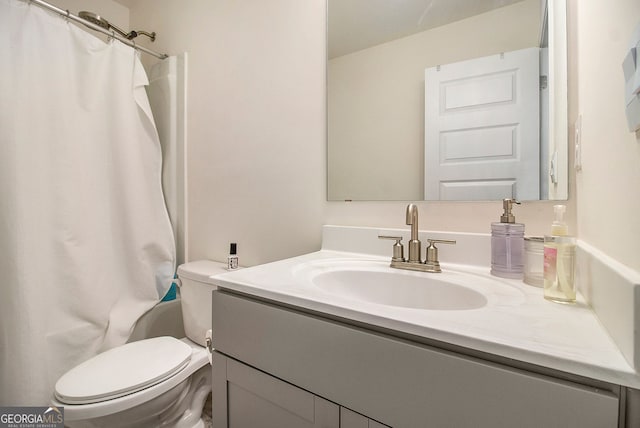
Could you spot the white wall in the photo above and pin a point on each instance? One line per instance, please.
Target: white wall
(255, 118)
(376, 100)
(609, 183)
(256, 132)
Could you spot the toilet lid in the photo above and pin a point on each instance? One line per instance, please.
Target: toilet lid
(123, 370)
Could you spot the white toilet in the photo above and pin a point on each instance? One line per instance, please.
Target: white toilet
(158, 382)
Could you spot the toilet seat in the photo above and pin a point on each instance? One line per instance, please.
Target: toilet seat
(75, 412)
(123, 370)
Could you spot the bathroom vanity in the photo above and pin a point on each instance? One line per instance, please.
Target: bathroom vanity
(292, 351)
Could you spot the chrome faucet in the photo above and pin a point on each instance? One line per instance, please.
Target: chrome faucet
(414, 243)
(431, 264)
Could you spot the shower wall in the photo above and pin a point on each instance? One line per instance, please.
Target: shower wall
(167, 96)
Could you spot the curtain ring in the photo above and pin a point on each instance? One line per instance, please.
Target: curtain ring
(66, 18)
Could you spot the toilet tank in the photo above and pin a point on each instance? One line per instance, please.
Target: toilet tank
(195, 292)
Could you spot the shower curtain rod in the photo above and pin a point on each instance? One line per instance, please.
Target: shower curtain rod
(95, 27)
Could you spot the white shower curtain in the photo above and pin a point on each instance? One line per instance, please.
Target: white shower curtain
(86, 246)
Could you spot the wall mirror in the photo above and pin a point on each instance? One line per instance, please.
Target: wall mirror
(447, 100)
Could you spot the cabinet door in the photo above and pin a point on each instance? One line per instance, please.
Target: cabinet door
(351, 419)
(244, 397)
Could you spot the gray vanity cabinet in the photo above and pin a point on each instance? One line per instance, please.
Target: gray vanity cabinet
(393, 380)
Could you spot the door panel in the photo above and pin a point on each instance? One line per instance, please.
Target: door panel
(482, 128)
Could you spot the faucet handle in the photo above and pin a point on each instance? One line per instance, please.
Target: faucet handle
(432, 250)
(398, 248)
(432, 253)
(441, 241)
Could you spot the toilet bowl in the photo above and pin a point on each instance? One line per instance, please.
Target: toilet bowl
(161, 381)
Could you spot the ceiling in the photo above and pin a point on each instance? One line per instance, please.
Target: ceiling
(359, 24)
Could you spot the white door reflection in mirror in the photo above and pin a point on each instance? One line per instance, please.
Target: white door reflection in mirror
(482, 128)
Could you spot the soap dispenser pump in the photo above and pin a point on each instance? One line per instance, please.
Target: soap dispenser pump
(507, 244)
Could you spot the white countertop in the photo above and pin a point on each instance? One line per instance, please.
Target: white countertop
(516, 323)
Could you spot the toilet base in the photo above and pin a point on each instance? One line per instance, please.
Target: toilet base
(180, 407)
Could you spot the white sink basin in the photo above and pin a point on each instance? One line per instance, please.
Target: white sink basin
(393, 289)
(376, 282)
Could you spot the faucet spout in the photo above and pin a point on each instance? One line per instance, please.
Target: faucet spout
(414, 243)
(412, 220)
